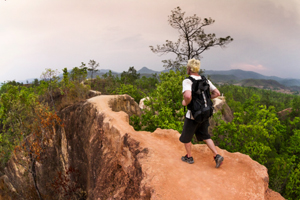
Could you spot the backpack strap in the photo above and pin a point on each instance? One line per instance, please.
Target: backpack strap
(208, 91)
(191, 78)
(203, 77)
(188, 106)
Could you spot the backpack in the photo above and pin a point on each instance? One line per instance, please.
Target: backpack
(201, 105)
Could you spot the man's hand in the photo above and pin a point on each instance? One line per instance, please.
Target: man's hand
(215, 93)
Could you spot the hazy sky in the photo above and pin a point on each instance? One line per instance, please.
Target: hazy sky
(40, 34)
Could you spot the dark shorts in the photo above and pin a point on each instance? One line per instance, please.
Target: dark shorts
(191, 127)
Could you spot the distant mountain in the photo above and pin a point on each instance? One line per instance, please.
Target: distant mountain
(272, 84)
(218, 78)
(240, 75)
(290, 82)
(233, 76)
(103, 71)
(146, 70)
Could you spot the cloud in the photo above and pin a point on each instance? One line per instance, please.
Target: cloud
(249, 67)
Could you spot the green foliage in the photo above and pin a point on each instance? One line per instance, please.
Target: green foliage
(6, 85)
(164, 104)
(293, 186)
(65, 80)
(93, 67)
(16, 115)
(257, 131)
(237, 95)
(296, 107)
(108, 84)
(279, 169)
(130, 76)
(131, 90)
(147, 85)
(79, 74)
(129, 83)
(294, 145)
(252, 132)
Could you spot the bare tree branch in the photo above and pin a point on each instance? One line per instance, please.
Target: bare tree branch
(192, 39)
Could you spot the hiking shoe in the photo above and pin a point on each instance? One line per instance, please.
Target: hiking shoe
(219, 159)
(187, 159)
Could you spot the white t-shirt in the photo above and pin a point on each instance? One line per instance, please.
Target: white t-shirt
(187, 85)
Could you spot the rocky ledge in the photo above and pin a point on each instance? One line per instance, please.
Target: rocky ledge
(98, 155)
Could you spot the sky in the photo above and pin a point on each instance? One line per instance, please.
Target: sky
(36, 35)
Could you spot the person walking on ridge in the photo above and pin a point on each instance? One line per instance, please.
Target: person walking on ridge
(192, 127)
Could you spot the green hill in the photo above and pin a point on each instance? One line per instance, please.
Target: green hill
(262, 83)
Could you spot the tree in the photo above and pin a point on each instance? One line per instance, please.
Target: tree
(164, 104)
(192, 39)
(65, 79)
(51, 77)
(131, 90)
(79, 74)
(93, 67)
(253, 131)
(130, 76)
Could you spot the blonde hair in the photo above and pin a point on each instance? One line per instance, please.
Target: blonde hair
(194, 65)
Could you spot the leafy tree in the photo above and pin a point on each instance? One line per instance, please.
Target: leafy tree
(131, 90)
(237, 95)
(293, 186)
(79, 74)
(253, 131)
(147, 84)
(36, 82)
(93, 67)
(164, 104)
(107, 84)
(130, 76)
(294, 144)
(15, 114)
(4, 87)
(192, 39)
(50, 76)
(280, 169)
(65, 79)
(71, 88)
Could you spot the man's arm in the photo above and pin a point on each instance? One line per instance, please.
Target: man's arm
(187, 97)
(215, 93)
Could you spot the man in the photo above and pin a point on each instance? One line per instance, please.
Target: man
(190, 126)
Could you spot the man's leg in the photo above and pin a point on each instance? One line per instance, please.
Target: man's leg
(210, 143)
(186, 137)
(188, 157)
(188, 148)
(218, 158)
